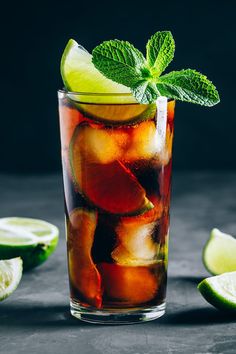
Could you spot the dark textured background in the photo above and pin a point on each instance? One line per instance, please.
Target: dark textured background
(34, 35)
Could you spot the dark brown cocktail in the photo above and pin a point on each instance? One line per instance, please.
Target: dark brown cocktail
(117, 181)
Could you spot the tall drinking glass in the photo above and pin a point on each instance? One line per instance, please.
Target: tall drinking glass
(117, 180)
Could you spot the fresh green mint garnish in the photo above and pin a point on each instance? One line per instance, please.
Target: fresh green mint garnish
(121, 62)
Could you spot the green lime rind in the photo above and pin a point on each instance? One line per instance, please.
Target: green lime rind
(32, 255)
(31, 239)
(146, 207)
(62, 64)
(10, 276)
(218, 254)
(163, 251)
(148, 114)
(66, 64)
(220, 291)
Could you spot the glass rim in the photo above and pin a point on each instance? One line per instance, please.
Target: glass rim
(109, 94)
(84, 93)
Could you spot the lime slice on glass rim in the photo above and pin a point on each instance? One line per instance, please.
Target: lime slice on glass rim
(220, 291)
(10, 276)
(90, 89)
(31, 239)
(80, 75)
(219, 253)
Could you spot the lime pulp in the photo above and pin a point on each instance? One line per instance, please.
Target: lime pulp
(10, 276)
(219, 253)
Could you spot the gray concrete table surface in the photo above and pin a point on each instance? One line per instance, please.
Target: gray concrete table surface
(36, 319)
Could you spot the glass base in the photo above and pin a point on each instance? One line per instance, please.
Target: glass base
(116, 316)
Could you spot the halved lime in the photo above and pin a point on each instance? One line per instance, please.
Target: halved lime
(219, 253)
(220, 291)
(10, 276)
(31, 239)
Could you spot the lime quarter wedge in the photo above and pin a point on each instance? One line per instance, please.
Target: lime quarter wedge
(219, 253)
(80, 75)
(10, 276)
(31, 239)
(220, 291)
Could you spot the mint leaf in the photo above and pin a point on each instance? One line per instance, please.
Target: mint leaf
(160, 51)
(119, 61)
(188, 85)
(145, 92)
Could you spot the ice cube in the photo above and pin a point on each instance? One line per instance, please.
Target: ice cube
(121, 136)
(144, 143)
(98, 144)
(135, 244)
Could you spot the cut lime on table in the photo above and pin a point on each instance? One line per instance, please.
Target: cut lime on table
(219, 253)
(10, 276)
(220, 291)
(31, 239)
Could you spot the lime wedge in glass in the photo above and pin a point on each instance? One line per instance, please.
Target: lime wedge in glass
(10, 276)
(31, 239)
(219, 253)
(220, 291)
(89, 86)
(80, 75)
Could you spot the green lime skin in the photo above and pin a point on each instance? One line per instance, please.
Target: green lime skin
(148, 114)
(32, 255)
(215, 299)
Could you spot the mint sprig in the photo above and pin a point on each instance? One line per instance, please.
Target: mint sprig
(121, 62)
